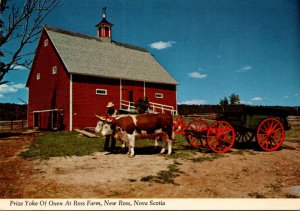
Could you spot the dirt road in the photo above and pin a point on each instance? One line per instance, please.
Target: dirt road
(238, 174)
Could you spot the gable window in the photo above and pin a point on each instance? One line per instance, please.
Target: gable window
(38, 76)
(101, 91)
(45, 42)
(159, 95)
(54, 70)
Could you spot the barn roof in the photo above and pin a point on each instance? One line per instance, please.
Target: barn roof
(87, 55)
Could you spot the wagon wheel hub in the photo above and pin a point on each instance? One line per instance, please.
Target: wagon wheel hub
(221, 137)
(270, 134)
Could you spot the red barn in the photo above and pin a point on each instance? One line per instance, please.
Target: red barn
(74, 76)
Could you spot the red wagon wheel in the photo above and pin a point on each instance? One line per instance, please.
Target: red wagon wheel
(220, 136)
(195, 131)
(179, 125)
(270, 134)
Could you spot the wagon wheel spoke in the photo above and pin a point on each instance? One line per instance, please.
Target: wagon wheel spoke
(194, 142)
(239, 136)
(277, 130)
(248, 137)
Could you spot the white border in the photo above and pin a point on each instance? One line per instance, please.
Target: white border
(149, 204)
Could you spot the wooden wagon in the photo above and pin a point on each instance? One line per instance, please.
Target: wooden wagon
(237, 123)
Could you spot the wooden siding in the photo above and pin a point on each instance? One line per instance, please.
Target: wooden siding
(52, 90)
(85, 101)
(168, 91)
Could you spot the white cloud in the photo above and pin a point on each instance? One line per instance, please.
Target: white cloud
(197, 75)
(296, 94)
(194, 102)
(245, 102)
(244, 69)
(5, 88)
(286, 96)
(162, 45)
(18, 86)
(257, 99)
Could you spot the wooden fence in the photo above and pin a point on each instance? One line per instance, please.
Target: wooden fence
(13, 125)
(294, 120)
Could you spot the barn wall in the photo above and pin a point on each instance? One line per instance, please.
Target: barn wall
(168, 91)
(86, 103)
(52, 90)
(132, 90)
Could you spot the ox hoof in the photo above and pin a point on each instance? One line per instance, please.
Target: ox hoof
(162, 151)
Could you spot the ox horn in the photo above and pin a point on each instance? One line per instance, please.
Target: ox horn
(102, 118)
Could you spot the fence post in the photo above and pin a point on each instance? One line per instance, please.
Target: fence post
(11, 124)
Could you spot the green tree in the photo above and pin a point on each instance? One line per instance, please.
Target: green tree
(20, 26)
(234, 99)
(142, 105)
(224, 103)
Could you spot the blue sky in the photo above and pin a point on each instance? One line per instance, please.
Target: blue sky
(213, 48)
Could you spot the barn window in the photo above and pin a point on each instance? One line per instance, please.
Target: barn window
(159, 95)
(46, 42)
(38, 76)
(54, 70)
(101, 91)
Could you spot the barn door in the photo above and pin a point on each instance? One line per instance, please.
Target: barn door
(54, 120)
(36, 119)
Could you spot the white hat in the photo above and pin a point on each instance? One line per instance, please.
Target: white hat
(110, 104)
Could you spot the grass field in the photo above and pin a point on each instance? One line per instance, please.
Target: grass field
(62, 143)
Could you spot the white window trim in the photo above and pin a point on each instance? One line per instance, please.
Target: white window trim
(46, 42)
(159, 95)
(54, 70)
(38, 76)
(101, 90)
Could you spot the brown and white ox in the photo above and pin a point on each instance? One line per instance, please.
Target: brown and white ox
(128, 128)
